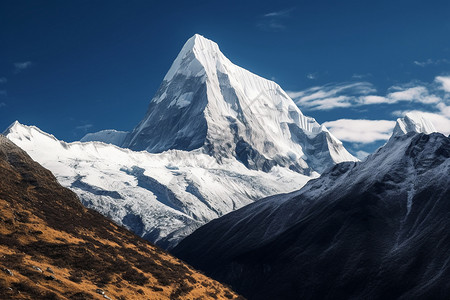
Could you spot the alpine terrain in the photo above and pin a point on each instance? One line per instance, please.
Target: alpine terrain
(215, 138)
(51, 247)
(376, 229)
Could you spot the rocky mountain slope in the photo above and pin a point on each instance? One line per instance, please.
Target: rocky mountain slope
(51, 247)
(225, 138)
(369, 230)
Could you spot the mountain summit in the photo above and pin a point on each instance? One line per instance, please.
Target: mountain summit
(413, 122)
(207, 102)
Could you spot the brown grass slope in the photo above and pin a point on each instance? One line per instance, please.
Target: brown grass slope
(51, 247)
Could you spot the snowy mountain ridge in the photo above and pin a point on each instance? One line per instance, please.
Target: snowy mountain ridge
(161, 197)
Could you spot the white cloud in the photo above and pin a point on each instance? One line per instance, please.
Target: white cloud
(84, 127)
(398, 94)
(431, 62)
(362, 154)
(373, 100)
(20, 66)
(280, 13)
(444, 109)
(363, 93)
(434, 100)
(360, 131)
(3, 80)
(361, 76)
(311, 76)
(444, 81)
(417, 93)
(274, 21)
(331, 96)
(328, 103)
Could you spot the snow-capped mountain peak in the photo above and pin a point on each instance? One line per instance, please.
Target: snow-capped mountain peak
(413, 122)
(198, 56)
(206, 102)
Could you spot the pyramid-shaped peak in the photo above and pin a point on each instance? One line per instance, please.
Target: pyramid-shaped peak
(198, 56)
(11, 127)
(199, 42)
(413, 122)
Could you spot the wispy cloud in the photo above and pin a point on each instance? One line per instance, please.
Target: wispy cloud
(275, 20)
(20, 66)
(444, 81)
(279, 14)
(360, 131)
(430, 61)
(331, 96)
(433, 99)
(361, 154)
(84, 127)
(3, 80)
(3, 93)
(2, 104)
(312, 76)
(415, 93)
(361, 76)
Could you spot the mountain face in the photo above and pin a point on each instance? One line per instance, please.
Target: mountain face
(220, 138)
(51, 247)
(369, 230)
(206, 102)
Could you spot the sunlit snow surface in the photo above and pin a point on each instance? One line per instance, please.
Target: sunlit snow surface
(162, 197)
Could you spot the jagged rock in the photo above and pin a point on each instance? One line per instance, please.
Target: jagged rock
(8, 271)
(100, 291)
(37, 269)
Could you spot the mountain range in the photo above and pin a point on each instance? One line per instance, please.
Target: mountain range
(375, 229)
(215, 138)
(226, 172)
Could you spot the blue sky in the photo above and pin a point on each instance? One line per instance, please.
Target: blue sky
(72, 67)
